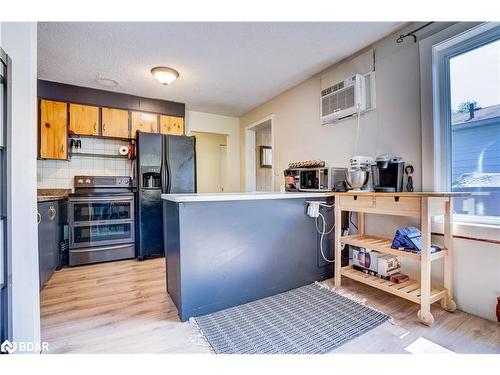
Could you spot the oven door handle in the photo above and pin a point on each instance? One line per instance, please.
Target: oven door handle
(105, 199)
(103, 248)
(74, 223)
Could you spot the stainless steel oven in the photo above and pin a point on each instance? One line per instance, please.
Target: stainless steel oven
(101, 220)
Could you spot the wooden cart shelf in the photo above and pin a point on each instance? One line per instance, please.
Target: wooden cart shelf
(419, 205)
(383, 245)
(409, 290)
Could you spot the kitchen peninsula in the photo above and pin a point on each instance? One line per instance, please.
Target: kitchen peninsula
(227, 249)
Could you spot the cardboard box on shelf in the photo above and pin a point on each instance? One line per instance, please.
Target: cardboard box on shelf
(388, 264)
(365, 259)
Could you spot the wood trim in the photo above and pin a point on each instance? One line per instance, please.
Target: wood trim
(497, 242)
(436, 194)
(88, 96)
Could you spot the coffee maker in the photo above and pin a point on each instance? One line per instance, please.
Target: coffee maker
(388, 173)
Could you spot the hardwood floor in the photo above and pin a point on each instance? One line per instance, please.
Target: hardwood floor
(123, 307)
(117, 307)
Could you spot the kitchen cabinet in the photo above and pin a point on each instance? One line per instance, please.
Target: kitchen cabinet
(144, 122)
(115, 123)
(51, 218)
(53, 130)
(83, 119)
(172, 125)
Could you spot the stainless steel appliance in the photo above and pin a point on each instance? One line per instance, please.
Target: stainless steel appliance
(388, 173)
(165, 164)
(359, 176)
(101, 220)
(5, 248)
(313, 179)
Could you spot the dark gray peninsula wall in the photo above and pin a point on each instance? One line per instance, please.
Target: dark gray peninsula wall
(223, 253)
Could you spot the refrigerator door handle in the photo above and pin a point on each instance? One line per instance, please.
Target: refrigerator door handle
(162, 167)
(164, 170)
(167, 165)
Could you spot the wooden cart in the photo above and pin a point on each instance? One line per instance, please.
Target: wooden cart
(421, 205)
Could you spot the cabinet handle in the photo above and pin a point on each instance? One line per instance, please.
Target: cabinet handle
(62, 148)
(38, 218)
(95, 126)
(52, 213)
(103, 128)
(47, 124)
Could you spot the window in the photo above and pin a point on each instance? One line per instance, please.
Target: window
(467, 99)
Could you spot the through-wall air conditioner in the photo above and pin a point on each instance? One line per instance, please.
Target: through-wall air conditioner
(343, 99)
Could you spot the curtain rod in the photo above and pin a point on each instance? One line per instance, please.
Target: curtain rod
(412, 33)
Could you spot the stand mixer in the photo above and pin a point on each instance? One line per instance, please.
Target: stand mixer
(358, 176)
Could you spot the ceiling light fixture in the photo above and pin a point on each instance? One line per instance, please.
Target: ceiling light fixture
(165, 75)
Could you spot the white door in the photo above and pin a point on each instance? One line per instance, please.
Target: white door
(223, 167)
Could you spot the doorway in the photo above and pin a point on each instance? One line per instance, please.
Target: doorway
(259, 150)
(211, 162)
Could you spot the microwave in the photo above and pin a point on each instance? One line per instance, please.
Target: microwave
(318, 179)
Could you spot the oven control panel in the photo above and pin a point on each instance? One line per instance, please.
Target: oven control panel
(102, 181)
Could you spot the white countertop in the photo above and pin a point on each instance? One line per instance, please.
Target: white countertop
(246, 196)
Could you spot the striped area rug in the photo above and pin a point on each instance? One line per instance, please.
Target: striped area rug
(306, 320)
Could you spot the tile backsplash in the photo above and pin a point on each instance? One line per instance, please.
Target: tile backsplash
(58, 174)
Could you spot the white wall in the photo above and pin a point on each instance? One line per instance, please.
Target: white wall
(209, 173)
(264, 176)
(300, 136)
(393, 127)
(19, 42)
(210, 123)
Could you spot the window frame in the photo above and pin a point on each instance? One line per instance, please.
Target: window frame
(441, 53)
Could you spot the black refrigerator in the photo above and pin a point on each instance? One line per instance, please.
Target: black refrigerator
(165, 164)
(5, 249)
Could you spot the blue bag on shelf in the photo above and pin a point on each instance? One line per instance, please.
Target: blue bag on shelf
(410, 239)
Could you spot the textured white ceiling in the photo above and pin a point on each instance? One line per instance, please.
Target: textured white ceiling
(225, 68)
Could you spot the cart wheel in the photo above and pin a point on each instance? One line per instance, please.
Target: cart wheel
(427, 319)
(448, 305)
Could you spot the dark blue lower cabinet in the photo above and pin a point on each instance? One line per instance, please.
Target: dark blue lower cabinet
(223, 254)
(51, 218)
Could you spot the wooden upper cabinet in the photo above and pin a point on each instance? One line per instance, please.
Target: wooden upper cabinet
(172, 125)
(115, 123)
(144, 122)
(83, 119)
(53, 130)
